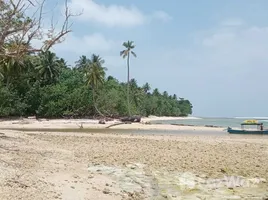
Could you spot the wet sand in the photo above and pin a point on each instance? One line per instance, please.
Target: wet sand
(106, 166)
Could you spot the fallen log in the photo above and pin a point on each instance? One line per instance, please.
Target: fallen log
(131, 119)
(115, 124)
(102, 121)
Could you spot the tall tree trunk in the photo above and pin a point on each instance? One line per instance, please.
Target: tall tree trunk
(94, 103)
(128, 88)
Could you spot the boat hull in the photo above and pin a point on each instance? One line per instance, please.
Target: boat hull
(236, 131)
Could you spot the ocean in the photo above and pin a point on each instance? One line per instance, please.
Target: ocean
(221, 122)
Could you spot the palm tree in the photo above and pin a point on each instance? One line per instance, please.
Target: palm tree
(10, 68)
(129, 46)
(165, 94)
(81, 64)
(95, 75)
(156, 92)
(146, 87)
(48, 66)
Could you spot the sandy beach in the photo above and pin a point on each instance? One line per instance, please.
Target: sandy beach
(156, 118)
(99, 166)
(94, 124)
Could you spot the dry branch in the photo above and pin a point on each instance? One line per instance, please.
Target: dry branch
(117, 124)
(18, 30)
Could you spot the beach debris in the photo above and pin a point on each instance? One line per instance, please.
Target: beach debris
(102, 121)
(32, 117)
(115, 124)
(80, 125)
(131, 119)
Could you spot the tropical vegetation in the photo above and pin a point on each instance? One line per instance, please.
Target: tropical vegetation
(43, 85)
(35, 81)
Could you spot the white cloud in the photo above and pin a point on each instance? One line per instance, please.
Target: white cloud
(113, 15)
(220, 38)
(227, 48)
(222, 72)
(161, 15)
(236, 48)
(232, 22)
(94, 43)
(98, 42)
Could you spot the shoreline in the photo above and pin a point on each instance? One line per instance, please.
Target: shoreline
(165, 118)
(78, 124)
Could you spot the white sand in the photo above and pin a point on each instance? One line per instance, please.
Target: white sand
(154, 118)
(86, 123)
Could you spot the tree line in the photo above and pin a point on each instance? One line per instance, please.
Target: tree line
(45, 86)
(37, 82)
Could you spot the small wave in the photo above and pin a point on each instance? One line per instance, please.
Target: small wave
(190, 118)
(264, 120)
(260, 118)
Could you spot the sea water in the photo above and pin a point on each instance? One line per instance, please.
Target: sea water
(221, 122)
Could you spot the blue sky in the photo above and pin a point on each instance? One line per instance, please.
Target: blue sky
(214, 53)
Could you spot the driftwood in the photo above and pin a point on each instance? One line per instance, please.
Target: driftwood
(80, 125)
(131, 119)
(211, 126)
(115, 124)
(182, 124)
(102, 121)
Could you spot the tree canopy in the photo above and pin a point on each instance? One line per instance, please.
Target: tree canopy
(43, 85)
(37, 82)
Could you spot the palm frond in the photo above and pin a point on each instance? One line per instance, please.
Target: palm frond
(122, 52)
(125, 44)
(133, 53)
(129, 45)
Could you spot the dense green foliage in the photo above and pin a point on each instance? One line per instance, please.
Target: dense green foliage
(37, 82)
(43, 85)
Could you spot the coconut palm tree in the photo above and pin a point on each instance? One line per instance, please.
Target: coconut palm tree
(10, 68)
(129, 46)
(146, 87)
(95, 75)
(48, 66)
(81, 64)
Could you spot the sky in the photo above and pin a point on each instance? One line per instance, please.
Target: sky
(214, 53)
